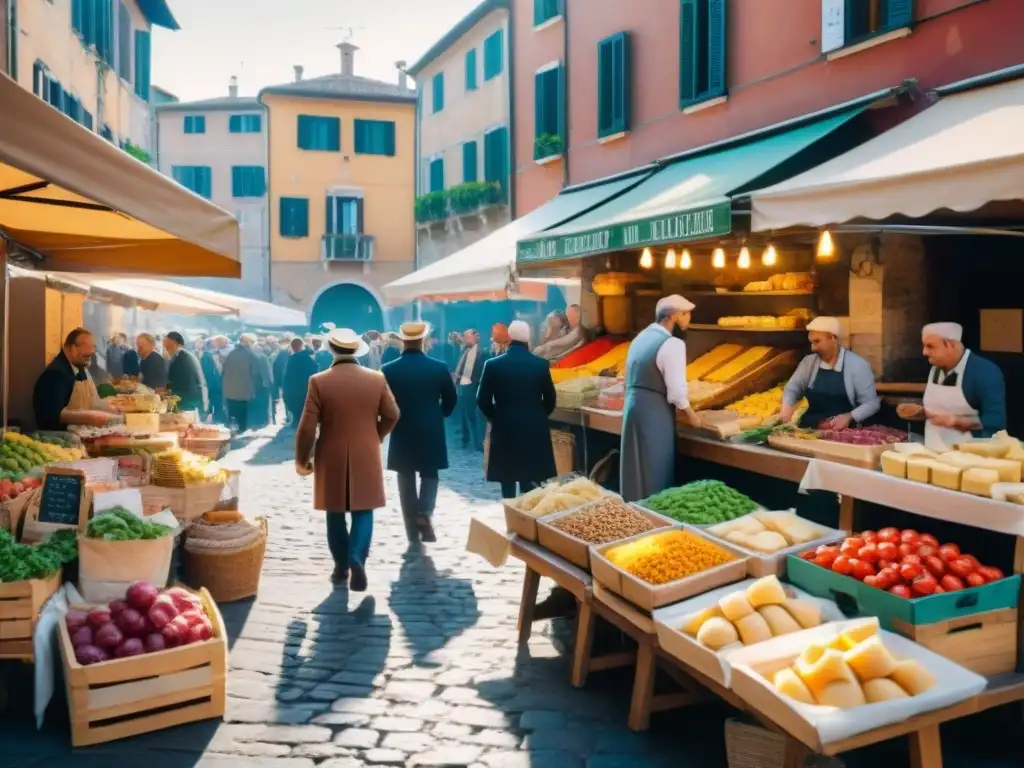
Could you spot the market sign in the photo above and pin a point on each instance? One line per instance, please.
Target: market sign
(697, 224)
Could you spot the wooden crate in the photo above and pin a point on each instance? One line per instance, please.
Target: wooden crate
(125, 697)
(575, 550)
(985, 643)
(20, 604)
(778, 367)
(863, 456)
(186, 503)
(520, 523)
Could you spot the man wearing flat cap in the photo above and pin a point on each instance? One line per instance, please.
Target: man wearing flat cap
(655, 389)
(965, 396)
(839, 385)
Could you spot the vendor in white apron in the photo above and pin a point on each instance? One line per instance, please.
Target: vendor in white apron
(65, 393)
(965, 395)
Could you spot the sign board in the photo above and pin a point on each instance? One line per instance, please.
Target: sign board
(697, 224)
(63, 502)
(833, 25)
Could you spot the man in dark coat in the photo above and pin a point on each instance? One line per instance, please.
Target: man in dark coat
(426, 396)
(211, 374)
(301, 367)
(184, 375)
(467, 379)
(517, 396)
(280, 366)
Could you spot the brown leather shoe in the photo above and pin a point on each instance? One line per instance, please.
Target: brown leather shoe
(427, 534)
(358, 581)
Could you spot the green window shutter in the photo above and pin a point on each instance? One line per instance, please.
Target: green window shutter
(318, 133)
(438, 87)
(78, 16)
(333, 127)
(303, 139)
(389, 139)
(374, 137)
(248, 181)
(496, 157)
(360, 140)
(124, 42)
(195, 124)
(687, 51)
(142, 64)
(717, 52)
(613, 91)
(204, 181)
(469, 161)
(294, 217)
(437, 174)
(471, 69)
(235, 124)
(545, 9)
(494, 55)
(549, 112)
(899, 14)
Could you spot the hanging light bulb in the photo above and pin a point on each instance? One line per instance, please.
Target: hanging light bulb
(769, 257)
(826, 246)
(718, 258)
(646, 259)
(686, 261)
(743, 262)
(670, 258)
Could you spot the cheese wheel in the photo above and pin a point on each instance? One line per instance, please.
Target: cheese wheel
(766, 591)
(716, 633)
(857, 634)
(870, 659)
(788, 683)
(753, 629)
(830, 668)
(844, 694)
(806, 613)
(735, 606)
(779, 620)
(695, 622)
(912, 677)
(883, 689)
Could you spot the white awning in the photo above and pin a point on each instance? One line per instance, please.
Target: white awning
(965, 151)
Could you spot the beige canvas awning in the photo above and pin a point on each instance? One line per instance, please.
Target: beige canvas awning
(965, 151)
(86, 206)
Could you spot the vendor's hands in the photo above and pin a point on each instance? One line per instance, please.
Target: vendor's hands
(842, 421)
(691, 418)
(303, 470)
(98, 418)
(910, 411)
(947, 420)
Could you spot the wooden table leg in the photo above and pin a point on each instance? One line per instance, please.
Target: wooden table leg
(846, 510)
(531, 583)
(643, 687)
(795, 754)
(582, 644)
(926, 748)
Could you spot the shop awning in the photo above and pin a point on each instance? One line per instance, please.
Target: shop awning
(959, 154)
(249, 311)
(483, 269)
(85, 205)
(688, 199)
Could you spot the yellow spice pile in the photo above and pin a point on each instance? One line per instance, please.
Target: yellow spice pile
(664, 557)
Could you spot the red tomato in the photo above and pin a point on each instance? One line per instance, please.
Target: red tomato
(910, 571)
(850, 548)
(826, 558)
(810, 554)
(871, 581)
(842, 565)
(827, 548)
(935, 566)
(882, 564)
(907, 549)
(910, 536)
(949, 552)
(924, 584)
(887, 550)
(951, 583)
(972, 560)
(931, 541)
(862, 569)
(924, 550)
(870, 537)
(990, 573)
(855, 540)
(869, 553)
(961, 567)
(901, 590)
(938, 590)
(888, 577)
(915, 559)
(889, 534)
(975, 580)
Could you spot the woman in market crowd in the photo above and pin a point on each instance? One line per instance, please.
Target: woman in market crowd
(517, 396)
(65, 393)
(260, 412)
(499, 339)
(301, 368)
(238, 381)
(838, 383)
(655, 390)
(184, 374)
(426, 396)
(152, 365)
(965, 396)
(354, 410)
(467, 379)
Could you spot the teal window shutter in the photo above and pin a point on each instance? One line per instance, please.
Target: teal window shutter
(716, 57)
(205, 178)
(235, 124)
(198, 178)
(195, 124)
(87, 119)
(142, 64)
(78, 16)
(248, 181)
(496, 157)
(687, 51)
(469, 161)
(294, 217)
(124, 42)
(703, 50)
(245, 124)
(549, 117)
(437, 174)
(438, 88)
(471, 69)
(613, 85)
(543, 10)
(494, 55)
(899, 14)
(317, 133)
(374, 137)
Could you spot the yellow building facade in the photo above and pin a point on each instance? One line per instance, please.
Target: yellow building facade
(341, 186)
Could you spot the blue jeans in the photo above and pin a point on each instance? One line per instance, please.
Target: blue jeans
(416, 504)
(349, 547)
(470, 419)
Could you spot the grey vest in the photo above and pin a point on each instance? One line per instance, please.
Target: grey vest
(642, 361)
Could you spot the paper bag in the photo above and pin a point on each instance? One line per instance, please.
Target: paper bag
(107, 568)
(491, 545)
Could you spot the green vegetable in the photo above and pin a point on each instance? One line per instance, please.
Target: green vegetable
(704, 502)
(118, 524)
(21, 561)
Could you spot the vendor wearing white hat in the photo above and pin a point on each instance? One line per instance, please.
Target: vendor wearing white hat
(655, 389)
(965, 395)
(839, 385)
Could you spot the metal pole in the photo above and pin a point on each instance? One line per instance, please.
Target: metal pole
(4, 363)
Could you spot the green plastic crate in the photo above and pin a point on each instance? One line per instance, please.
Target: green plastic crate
(855, 598)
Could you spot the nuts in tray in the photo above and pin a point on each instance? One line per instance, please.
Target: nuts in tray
(669, 556)
(608, 520)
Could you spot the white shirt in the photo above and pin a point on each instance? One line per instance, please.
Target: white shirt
(467, 368)
(671, 362)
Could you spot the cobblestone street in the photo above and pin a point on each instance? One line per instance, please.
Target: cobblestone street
(423, 669)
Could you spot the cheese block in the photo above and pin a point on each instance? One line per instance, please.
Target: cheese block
(766, 591)
(753, 629)
(912, 449)
(795, 529)
(779, 620)
(830, 668)
(991, 448)
(735, 606)
(979, 481)
(739, 537)
(962, 460)
(844, 694)
(739, 365)
(870, 659)
(788, 683)
(748, 524)
(695, 622)
(894, 463)
(707, 362)
(883, 689)
(946, 476)
(767, 542)
(912, 677)
(806, 613)
(1009, 471)
(717, 633)
(920, 470)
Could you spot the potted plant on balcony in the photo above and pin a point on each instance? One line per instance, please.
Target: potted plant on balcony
(547, 145)
(431, 206)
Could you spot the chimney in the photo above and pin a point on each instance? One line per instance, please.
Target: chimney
(233, 87)
(403, 79)
(348, 55)
(298, 72)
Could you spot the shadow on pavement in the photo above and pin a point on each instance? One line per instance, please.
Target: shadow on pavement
(277, 449)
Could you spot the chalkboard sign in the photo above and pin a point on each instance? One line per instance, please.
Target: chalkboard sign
(62, 497)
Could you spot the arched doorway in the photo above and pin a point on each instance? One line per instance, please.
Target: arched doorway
(347, 305)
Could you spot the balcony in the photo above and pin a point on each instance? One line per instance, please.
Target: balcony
(468, 199)
(346, 247)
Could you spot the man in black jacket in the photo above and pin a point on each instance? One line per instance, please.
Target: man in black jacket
(467, 378)
(184, 376)
(300, 369)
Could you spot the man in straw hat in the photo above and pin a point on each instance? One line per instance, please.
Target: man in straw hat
(355, 410)
(426, 396)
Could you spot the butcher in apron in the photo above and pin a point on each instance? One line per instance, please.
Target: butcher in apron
(65, 393)
(655, 388)
(965, 395)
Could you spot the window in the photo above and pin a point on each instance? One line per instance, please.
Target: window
(87, 119)
(93, 20)
(41, 81)
(344, 216)
(437, 174)
(72, 107)
(321, 134)
(245, 124)
(494, 55)
(294, 217)
(701, 50)
(437, 84)
(864, 18)
(56, 95)
(375, 137)
(142, 51)
(248, 181)
(198, 178)
(471, 69)
(496, 157)
(613, 86)
(469, 161)
(195, 124)
(124, 42)
(106, 133)
(548, 113)
(545, 10)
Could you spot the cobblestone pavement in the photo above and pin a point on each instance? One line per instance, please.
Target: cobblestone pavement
(422, 669)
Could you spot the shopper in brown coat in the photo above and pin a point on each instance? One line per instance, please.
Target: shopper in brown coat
(355, 411)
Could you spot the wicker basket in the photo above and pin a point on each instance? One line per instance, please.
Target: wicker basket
(228, 572)
(564, 445)
(751, 746)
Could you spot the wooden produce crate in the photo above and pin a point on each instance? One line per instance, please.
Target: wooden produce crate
(779, 366)
(576, 550)
(125, 697)
(520, 523)
(20, 604)
(985, 643)
(864, 456)
(186, 503)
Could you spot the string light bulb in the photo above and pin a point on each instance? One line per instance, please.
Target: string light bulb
(718, 258)
(743, 262)
(670, 258)
(769, 257)
(826, 246)
(686, 261)
(646, 259)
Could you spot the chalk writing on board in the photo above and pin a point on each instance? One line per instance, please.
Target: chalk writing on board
(62, 499)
